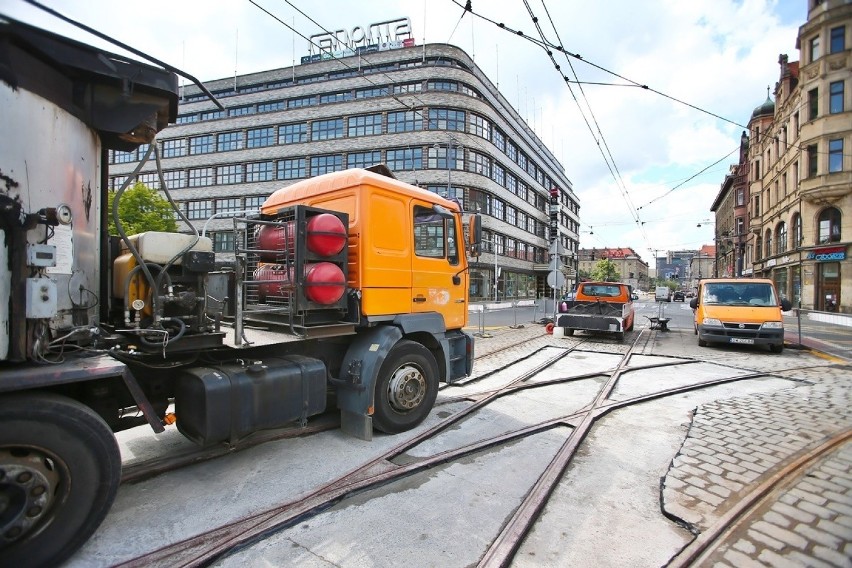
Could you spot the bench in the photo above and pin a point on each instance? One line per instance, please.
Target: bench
(659, 323)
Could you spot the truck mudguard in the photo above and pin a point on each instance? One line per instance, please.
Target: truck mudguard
(359, 370)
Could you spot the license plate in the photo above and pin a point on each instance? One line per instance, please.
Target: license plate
(742, 340)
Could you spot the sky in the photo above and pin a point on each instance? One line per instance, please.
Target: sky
(717, 55)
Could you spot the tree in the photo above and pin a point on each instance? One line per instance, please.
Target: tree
(141, 209)
(605, 271)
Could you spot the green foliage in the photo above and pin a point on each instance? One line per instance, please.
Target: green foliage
(142, 209)
(605, 271)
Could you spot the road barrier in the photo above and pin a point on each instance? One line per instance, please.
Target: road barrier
(825, 331)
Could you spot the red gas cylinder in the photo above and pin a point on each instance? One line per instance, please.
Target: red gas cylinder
(326, 236)
(325, 282)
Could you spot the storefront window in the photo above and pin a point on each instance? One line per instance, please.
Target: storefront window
(828, 286)
(780, 277)
(797, 285)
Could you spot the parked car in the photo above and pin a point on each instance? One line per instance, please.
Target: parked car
(663, 294)
(742, 312)
(678, 296)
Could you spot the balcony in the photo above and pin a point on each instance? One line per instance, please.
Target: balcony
(827, 186)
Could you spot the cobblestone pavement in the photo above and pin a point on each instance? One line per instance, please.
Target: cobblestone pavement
(735, 444)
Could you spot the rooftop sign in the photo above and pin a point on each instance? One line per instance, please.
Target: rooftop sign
(379, 36)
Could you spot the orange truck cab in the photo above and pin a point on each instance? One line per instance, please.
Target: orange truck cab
(598, 307)
(740, 312)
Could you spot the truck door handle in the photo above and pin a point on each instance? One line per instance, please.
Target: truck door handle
(460, 301)
(419, 299)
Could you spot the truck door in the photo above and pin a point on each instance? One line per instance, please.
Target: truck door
(437, 258)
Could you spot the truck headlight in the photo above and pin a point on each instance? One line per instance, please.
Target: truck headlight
(712, 321)
(773, 325)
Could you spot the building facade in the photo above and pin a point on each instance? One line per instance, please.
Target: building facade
(631, 268)
(800, 169)
(427, 112)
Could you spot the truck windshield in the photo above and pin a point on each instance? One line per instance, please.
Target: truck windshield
(739, 294)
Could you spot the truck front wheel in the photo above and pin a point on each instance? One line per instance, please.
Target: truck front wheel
(60, 468)
(406, 388)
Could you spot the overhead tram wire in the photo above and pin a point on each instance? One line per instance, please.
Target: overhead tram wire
(636, 84)
(609, 159)
(690, 178)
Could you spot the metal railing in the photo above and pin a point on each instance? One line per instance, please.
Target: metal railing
(829, 332)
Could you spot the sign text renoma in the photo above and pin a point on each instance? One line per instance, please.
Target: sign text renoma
(378, 36)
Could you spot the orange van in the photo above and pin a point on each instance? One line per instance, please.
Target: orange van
(740, 311)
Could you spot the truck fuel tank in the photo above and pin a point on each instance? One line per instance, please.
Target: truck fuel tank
(228, 402)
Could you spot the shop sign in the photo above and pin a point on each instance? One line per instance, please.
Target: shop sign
(827, 254)
(770, 263)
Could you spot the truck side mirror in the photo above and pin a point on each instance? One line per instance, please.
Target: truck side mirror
(693, 303)
(786, 306)
(474, 234)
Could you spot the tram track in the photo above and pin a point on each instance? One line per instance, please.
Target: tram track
(393, 465)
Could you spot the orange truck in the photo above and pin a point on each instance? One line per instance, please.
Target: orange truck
(348, 292)
(602, 307)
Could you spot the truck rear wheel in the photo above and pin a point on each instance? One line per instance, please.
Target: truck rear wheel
(60, 468)
(406, 388)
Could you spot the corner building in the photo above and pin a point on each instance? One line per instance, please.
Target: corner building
(427, 112)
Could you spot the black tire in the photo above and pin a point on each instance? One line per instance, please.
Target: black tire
(702, 343)
(619, 335)
(776, 348)
(406, 388)
(65, 466)
(569, 331)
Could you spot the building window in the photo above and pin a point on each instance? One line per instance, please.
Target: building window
(479, 164)
(366, 125)
(291, 169)
(174, 148)
(767, 244)
(326, 164)
(781, 238)
(228, 207)
(758, 248)
(442, 86)
(151, 180)
(814, 49)
(363, 159)
(201, 144)
(829, 226)
(174, 179)
(327, 129)
(835, 99)
(837, 42)
(740, 223)
(812, 160)
(404, 159)
(370, 93)
(259, 137)
(813, 104)
(498, 174)
(407, 88)
(254, 202)
(835, 155)
(223, 242)
(212, 115)
(740, 197)
(199, 177)
(229, 141)
(199, 209)
(240, 111)
(446, 119)
(301, 102)
(229, 174)
(124, 157)
(186, 118)
(293, 133)
(405, 121)
(335, 97)
(480, 126)
(499, 139)
(797, 230)
(269, 107)
(259, 171)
